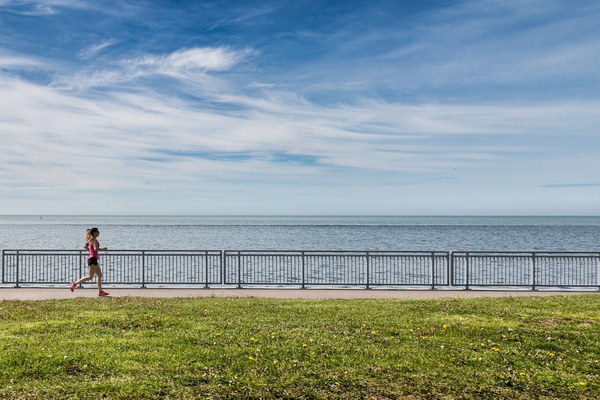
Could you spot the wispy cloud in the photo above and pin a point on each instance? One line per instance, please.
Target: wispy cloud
(91, 51)
(571, 185)
(185, 64)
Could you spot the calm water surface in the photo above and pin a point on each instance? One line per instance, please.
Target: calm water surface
(305, 232)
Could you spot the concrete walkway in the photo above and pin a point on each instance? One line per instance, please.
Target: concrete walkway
(65, 293)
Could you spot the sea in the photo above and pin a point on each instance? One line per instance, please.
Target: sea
(369, 233)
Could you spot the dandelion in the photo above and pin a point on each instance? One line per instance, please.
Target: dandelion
(275, 361)
(337, 383)
(304, 345)
(582, 383)
(522, 373)
(444, 326)
(251, 358)
(495, 349)
(551, 354)
(254, 339)
(471, 344)
(373, 333)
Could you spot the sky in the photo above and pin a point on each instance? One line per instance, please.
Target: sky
(380, 107)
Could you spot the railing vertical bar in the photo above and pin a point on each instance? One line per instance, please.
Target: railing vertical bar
(598, 271)
(303, 270)
(467, 278)
(368, 259)
(239, 265)
(17, 276)
(450, 265)
(143, 269)
(206, 269)
(533, 272)
(432, 270)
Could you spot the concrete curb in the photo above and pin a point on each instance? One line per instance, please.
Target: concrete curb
(60, 293)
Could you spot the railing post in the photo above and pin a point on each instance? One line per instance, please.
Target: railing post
(467, 272)
(450, 265)
(432, 270)
(222, 265)
(206, 269)
(80, 265)
(3, 265)
(143, 269)
(598, 271)
(303, 272)
(368, 271)
(239, 265)
(533, 275)
(17, 282)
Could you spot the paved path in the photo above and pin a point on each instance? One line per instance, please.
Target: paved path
(59, 293)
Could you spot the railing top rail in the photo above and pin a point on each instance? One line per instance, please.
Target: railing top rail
(294, 252)
(362, 252)
(113, 251)
(524, 252)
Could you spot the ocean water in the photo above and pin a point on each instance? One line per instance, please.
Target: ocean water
(410, 233)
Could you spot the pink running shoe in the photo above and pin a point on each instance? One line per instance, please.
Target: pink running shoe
(103, 293)
(72, 286)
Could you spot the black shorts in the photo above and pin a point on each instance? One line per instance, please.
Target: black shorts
(92, 261)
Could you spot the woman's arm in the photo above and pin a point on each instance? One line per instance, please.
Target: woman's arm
(97, 247)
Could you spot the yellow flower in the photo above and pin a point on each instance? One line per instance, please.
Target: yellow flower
(444, 326)
(495, 349)
(337, 383)
(251, 358)
(275, 361)
(521, 373)
(304, 345)
(582, 383)
(551, 354)
(373, 333)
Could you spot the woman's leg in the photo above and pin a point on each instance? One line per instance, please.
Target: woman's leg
(89, 276)
(98, 272)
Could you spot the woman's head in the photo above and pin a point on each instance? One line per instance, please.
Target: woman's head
(91, 233)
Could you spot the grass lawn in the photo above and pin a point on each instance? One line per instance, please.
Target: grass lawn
(223, 348)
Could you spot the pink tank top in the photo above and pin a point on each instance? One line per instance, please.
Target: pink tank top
(93, 253)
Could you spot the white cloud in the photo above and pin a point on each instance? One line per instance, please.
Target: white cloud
(191, 66)
(91, 51)
(191, 61)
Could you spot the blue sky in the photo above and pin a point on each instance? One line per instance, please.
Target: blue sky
(482, 107)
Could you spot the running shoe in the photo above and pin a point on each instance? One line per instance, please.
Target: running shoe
(72, 286)
(103, 293)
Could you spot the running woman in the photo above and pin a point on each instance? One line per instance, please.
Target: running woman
(92, 245)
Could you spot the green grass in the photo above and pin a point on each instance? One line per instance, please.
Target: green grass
(218, 348)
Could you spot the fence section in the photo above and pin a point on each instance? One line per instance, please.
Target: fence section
(367, 269)
(527, 269)
(140, 267)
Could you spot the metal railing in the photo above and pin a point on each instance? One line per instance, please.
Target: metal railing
(368, 269)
